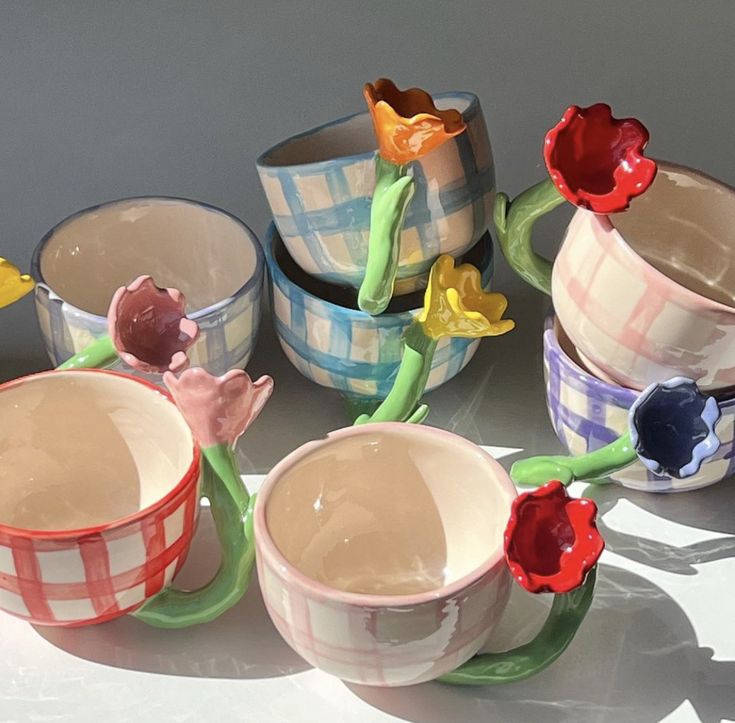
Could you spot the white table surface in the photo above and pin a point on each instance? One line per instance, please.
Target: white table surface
(657, 645)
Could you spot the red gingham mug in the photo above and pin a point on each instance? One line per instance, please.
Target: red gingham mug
(101, 478)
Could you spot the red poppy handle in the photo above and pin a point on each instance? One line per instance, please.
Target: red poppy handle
(514, 223)
(566, 615)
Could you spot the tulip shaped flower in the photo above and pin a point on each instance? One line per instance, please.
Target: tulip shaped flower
(407, 126)
(148, 329)
(13, 285)
(455, 304)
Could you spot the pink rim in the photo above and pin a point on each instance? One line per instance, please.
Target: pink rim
(268, 550)
(607, 223)
(190, 477)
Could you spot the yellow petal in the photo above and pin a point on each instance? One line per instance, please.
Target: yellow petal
(13, 284)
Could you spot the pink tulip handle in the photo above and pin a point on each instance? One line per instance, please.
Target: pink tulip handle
(232, 510)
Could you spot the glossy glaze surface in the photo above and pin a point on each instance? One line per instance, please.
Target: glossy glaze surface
(206, 253)
(588, 414)
(632, 323)
(99, 475)
(596, 161)
(319, 185)
(347, 349)
(380, 551)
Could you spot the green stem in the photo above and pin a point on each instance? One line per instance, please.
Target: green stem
(402, 402)
(514, 226)
(100, 354)
(537, 471)
(565, 617)
(232, 510)
(393, 192)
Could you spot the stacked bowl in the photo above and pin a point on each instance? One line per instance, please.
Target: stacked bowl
(319, 185)
(643, 288)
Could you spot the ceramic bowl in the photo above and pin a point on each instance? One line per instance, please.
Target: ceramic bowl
(334, 344)
(206, 253)
(380, 551)
(319, 185)
(100, 480)
(588, 413)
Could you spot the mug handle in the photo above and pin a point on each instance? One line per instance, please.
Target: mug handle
(566, 615)
(514, 222)
(232, 510)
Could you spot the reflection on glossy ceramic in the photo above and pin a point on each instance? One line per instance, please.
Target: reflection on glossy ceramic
(344, 348)
(100, 478)
(380, 551)
(211, 256)
(588, 414)
(319, 185)
(650, 294)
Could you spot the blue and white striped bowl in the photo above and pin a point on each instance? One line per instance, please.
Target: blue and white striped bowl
(205, 252)
(346, 349)
(319, 185)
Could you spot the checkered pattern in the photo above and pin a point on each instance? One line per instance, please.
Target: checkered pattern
(383, 645)
(227, 339)
(350, 350)
(588, 414)
(632, 322)
(322, 209)
(98, 577)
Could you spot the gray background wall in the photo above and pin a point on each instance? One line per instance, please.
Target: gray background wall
(105, 99)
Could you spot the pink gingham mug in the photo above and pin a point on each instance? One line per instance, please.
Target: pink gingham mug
(100, 478)
(386, 553)
(644, 281)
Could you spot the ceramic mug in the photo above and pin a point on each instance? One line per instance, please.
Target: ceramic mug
(644, 281)
(588, 414)
(319, 186)
(101, 479)
(339, 346)
(380, 556)
(208, 254)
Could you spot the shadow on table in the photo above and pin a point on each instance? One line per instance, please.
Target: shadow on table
(710, 508)
(636, 658)
(241, 644)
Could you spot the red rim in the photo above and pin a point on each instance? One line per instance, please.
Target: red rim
(190, 476)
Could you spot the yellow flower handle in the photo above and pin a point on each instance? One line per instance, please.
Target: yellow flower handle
(13, 284)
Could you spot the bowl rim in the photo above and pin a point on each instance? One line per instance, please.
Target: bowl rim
(266, 547)
(250, 283)
(262, 161)
(189, 478)
(398, 318)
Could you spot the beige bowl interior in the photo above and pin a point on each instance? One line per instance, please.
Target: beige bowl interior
(203, 252)
(352, 136)
(390, 513)
(683, 226)
(80, 449)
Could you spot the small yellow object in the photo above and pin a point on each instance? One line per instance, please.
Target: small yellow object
(13, 284)
(455, 303)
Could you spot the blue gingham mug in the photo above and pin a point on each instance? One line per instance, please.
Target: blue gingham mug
(205, 252)
(349, 350)
(319, 185)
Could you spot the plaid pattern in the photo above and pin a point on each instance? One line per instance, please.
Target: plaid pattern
(632, 322)
(100, 576)
(322, 209)
(227, 339)
(587, 414)
(383, 646)
(350, 350)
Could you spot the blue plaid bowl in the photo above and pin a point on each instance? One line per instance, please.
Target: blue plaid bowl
(207, 253)
(587, 414)
(319, 185)
(334, 344)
